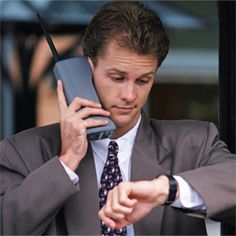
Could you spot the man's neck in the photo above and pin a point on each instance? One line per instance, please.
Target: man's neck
(119, 132)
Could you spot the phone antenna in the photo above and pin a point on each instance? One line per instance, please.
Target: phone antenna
(50, 43)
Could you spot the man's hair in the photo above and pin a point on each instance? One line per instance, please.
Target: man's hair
(131, 25)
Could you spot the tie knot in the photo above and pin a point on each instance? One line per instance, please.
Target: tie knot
(113, 148)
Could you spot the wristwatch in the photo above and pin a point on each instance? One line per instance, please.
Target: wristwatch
(172, 190)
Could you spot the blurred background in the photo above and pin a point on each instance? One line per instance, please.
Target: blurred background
(185, 87)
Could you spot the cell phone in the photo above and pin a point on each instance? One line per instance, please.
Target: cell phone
(77, 80)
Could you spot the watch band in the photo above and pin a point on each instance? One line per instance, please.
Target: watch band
(172, 190)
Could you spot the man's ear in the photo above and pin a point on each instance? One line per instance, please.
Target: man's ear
(91, 63)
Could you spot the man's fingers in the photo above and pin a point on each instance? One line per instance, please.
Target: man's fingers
(94, 122)
(112, 223)
(116, 209)
(124, 189)
(87, 112)
(121, 204)
(106, 220)
(78, 103)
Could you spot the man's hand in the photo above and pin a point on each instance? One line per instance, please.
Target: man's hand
(73, 125)
(129, 202)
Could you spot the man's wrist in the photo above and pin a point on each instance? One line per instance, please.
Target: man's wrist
(161, 184)
(70, 161)
(73, 176)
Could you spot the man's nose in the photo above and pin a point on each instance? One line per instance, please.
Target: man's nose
(128, 92)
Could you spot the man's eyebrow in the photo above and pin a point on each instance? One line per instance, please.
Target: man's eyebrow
(125, 73)
(116, 70)
(148, 73)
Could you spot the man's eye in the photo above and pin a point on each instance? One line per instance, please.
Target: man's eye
(118, 79)
(142, 81)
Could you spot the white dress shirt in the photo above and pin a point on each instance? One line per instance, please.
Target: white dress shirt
(189, 198)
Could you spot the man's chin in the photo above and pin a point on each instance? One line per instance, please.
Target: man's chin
(122, 121)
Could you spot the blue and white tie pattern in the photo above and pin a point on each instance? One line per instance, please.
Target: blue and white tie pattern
(111, 176)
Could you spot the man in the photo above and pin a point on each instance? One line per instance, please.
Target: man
(51, 175)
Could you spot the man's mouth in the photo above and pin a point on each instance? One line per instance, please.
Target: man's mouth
(124, 109)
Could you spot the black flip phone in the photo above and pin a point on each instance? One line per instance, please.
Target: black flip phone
(76, 76)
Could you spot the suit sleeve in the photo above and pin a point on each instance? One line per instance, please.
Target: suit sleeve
(215, 178)
(30, 198)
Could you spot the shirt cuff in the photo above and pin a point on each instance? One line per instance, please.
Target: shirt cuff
(73, 176)
(189, 198)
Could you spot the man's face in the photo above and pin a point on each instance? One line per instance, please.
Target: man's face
(123, 80)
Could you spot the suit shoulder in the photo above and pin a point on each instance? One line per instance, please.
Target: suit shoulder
(42, 131)
(32, 136)
(30, 148)
(181, 127)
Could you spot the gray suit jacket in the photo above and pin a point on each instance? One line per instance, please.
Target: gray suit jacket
(37, 196)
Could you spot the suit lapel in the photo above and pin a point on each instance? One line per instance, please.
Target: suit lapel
(81, 210)
(147, 154)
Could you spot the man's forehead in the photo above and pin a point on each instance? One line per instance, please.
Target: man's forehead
(126, 56)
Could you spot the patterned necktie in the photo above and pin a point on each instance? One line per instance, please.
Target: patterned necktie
(111, 176)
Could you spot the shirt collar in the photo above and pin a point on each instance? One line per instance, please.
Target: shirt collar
(129, 137)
